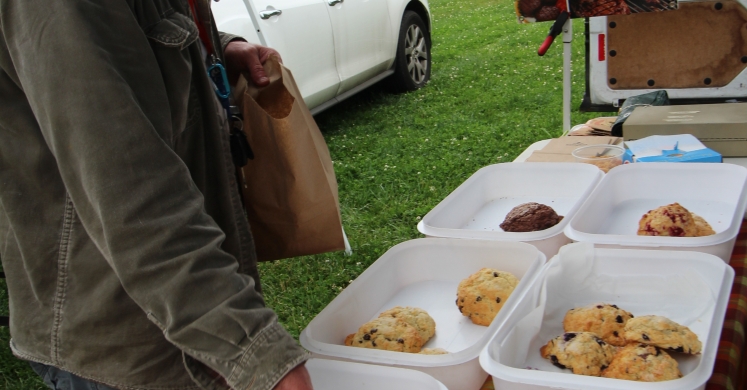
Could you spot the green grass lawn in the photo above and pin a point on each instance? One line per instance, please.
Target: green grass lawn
(397, 156)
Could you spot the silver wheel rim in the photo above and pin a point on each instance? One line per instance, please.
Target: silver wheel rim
(416, 54)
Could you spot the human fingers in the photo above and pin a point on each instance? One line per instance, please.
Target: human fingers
(297, 379)
(266, 52)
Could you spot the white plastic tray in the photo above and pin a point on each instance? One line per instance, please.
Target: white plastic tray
(337, 375)
(716, 192)
(479, 205)
(423, 273)
(690, 288)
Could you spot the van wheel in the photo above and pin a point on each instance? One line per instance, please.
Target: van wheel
(412, 67)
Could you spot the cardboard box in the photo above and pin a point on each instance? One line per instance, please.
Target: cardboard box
(721, 127)
(560, 149)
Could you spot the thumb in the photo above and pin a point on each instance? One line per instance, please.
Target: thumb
(256, 70)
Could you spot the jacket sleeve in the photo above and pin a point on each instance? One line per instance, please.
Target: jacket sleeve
(95, 87)
(226, 38)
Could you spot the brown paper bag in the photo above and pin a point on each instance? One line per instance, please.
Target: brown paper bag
(289, 189)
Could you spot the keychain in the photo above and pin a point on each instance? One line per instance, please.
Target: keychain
(241, 151)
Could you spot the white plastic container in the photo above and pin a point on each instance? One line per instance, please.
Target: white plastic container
(478, 206)
(336, 375)
(423, 273)
(716, 192)
(691, 288)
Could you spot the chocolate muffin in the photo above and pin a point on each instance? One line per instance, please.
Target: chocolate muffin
(530, 217)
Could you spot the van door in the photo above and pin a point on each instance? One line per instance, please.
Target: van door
(301, 31)
(363, 39)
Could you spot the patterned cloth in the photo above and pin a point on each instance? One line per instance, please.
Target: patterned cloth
(730, 371)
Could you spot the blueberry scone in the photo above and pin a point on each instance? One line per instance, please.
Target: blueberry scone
(582, 352)
(483, 294)
(388, 333)
(606, 321)
(663, 333)
(416, 317)
(641, 362)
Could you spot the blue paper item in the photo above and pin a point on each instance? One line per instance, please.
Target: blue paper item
(628, 156)
(672, 148)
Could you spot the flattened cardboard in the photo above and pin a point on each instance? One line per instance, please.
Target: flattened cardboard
(560, 149)
(721, 127)
(566, 145)
(700, 45)
(540, 156)
(603, 123)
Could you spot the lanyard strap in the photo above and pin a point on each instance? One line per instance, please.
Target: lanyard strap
(241, 151)
(204, 37)
(215, 70)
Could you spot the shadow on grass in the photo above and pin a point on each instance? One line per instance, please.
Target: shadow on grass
(330, 120)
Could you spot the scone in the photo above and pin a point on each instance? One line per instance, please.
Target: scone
(670, 220)
(433, 351)
(388, 333)
(530, 217)
(663, 333)
(582, 352)
(349, 339)
(606, 321)
(641, 362)
(416, 317)
(702, 227)
(482, 295)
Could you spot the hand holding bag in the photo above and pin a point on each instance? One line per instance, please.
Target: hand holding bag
(289, 188)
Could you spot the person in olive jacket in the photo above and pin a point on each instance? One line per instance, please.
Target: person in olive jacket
(129, 260)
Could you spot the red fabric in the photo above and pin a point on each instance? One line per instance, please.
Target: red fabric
(204, 37)
(730, 370)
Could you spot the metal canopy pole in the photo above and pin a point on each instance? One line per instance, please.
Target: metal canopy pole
(567, 39)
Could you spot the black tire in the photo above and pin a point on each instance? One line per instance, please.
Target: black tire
(412, 67)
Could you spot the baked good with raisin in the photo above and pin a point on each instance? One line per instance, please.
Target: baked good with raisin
(584, 353)
(349, 339)
(641, 362)
(482, 295)
(663, 333)
(433, 351)
(388, 333)
(605, 320)
(416, 317)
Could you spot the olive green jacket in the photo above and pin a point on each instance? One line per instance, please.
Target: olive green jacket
(127, 254)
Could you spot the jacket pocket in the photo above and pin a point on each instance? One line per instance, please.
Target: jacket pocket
(173, 30)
